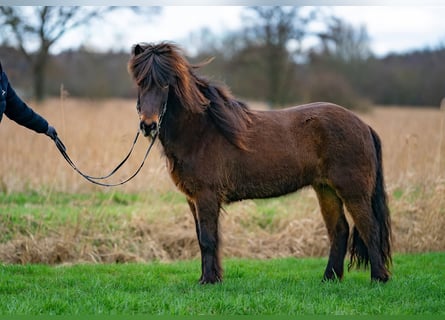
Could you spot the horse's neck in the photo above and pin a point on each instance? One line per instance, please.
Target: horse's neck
(182, 131)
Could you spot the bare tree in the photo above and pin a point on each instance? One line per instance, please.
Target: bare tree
(44, 26)
(277, 32)
(344, 42)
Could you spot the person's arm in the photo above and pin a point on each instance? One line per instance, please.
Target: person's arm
(19, 111)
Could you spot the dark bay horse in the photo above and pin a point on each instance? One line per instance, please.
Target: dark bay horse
(219, 151)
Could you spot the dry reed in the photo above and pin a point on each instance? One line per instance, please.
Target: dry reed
(98, 134)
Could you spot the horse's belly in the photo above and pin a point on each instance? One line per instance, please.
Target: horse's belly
(269, 183)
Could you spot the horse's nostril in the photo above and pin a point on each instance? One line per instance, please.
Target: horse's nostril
(147, 129)
(152, 126)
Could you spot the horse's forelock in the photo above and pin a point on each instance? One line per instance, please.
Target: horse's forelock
(162, 64)
(147, 65)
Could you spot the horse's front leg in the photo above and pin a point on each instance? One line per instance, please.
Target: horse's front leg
(207, 213)
(195, 217)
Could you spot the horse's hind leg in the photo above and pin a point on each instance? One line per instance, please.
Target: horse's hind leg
(367, 240)
(206, 213)
(338, 229)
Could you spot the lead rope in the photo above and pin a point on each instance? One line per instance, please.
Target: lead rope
(62, 149)
(91, 179)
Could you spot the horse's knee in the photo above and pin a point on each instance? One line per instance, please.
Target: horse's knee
(206, 213)
(207, 240)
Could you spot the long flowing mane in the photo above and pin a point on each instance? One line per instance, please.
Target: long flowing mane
(164, 64)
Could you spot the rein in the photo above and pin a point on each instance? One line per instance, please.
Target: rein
(62, 149)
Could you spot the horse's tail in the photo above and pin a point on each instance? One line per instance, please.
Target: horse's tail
(358, 250)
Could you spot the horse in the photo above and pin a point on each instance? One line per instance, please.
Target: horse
(219, 151)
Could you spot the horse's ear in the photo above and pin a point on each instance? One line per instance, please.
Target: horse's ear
(137, 49)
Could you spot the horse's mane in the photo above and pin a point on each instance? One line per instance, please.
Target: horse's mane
(164, 64)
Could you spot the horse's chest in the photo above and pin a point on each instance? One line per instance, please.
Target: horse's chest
(181, 177)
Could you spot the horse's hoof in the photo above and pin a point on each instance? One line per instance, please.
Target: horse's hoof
(382, 276)
(380, 279)
(331, 276)
(331, 279)
(210, 280)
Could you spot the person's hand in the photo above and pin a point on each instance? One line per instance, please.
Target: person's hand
(51, 132)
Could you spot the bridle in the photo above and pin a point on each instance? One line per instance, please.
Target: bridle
(161, 116)
(61, 147)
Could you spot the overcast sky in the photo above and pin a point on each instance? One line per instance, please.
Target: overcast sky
(391, 28)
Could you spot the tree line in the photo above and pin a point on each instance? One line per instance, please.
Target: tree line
(264, 60)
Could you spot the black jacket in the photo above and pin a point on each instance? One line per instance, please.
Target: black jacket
(15, 109)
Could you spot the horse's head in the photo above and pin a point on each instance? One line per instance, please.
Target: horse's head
(151, 106)
(153, 77)
(158, 69)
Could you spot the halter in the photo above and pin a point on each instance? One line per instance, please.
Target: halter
(161, 116)
(62, 149)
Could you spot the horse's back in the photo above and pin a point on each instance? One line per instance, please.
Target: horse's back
(312, 122)
(326, 112)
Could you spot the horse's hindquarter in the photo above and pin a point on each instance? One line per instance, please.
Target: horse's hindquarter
(295, 147)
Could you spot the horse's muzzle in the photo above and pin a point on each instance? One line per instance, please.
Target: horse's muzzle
(148, 129)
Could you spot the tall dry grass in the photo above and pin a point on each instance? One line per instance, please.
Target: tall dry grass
(99, 133)
(414, 160)
(97, 136)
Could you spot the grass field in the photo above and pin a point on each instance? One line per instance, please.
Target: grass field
(36, 227)
(280, 287)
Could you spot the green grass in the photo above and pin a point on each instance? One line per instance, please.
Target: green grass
(281, 286)
(42, 213)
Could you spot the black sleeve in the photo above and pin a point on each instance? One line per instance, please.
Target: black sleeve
(18, 111)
